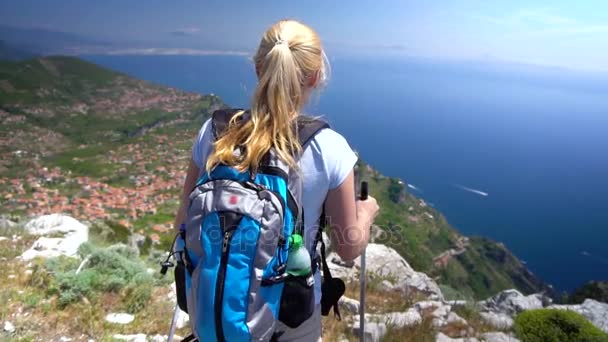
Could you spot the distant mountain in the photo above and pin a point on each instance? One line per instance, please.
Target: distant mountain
(98, 145)
(11, 53)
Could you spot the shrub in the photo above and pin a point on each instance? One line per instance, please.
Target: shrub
(552, 325)
(114, 269)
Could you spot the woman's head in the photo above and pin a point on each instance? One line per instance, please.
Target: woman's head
(290, 63)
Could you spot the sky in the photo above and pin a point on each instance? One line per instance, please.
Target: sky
(571, 34)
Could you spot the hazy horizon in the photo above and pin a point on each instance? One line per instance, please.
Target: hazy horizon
(544, 33)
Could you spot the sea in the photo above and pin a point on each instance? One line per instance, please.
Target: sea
(514, 152)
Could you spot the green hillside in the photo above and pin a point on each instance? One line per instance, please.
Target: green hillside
(479, 268)
(73, 133)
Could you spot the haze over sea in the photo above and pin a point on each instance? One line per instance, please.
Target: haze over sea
(513, 152)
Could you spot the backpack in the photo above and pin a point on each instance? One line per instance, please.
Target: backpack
(237, 237)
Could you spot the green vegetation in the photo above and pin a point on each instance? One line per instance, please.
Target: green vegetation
(420, 233)
(115, 269)
(550, 325)
(597, 290)
(107, 126)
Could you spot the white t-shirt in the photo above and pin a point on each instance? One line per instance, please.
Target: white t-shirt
(326, 162)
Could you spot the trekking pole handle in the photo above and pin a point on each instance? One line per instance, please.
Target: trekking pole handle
(363, 195)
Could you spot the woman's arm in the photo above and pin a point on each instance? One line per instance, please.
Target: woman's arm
(189, 183)
(350, 219)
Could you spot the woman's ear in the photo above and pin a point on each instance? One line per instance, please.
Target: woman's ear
(313, 80)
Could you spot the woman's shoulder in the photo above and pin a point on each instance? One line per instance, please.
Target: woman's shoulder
(330, 149)
(329, 139)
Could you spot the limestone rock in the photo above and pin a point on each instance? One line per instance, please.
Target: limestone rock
(6, 223)
(373, 331)
(161, 338)
(596, 312)
(497, 320)
(137, 241)
(60, 235)
(385, 262)
(498, 337)
(428, 305)
(131, 338)
(9, 327)
(120, 318)
(376, 324)
(183, 319)
(512, 302)
(444, 338)
(349, 305)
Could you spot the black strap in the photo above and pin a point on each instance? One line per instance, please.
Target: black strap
(190, 338)
(221, 118)
(327, 277)
(308, 127)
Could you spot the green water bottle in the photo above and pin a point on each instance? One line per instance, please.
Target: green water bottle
(298, 261)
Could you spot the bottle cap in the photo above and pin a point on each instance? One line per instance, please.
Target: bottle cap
(182, 227)
(296, 241)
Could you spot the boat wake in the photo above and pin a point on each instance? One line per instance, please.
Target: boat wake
(471, 190)
(415, 188)
(597, 258)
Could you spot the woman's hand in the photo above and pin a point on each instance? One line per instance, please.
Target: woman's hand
(368, 209)
(350, 219)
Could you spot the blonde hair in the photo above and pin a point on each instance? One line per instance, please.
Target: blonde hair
(289, 61)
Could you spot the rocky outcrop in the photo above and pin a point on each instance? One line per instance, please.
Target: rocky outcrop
(385, 262)
(59, 235)
(594, 311)
(6, 223)
(512, 302)
(500, 310)
(119, 318)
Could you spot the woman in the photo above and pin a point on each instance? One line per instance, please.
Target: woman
(290, 64)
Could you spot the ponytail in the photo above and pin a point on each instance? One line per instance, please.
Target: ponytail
(289, 61)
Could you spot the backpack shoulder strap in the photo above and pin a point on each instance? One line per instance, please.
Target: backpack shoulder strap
(221, 118)
(308, 127)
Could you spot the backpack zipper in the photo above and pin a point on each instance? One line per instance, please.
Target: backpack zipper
(219, 285)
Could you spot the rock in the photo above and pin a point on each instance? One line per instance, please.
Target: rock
(427, 305)
(444, 338)
(596, 312)
(373, 331)
(375, 324)
(497, 320)
(131, 338)
(387, 286)
(442, 311)
(349, 305)
(65, 339)
(453, 318)
(161, 338)
(9, 327)
(456, 302)
(6, 223)
(512, 302)
(73, 234)
(183, 320)
(385, 262)
(120, 318)
(498, 337)
(137, 241)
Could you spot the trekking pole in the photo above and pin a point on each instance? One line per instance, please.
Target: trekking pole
(363, 197)
(173, 323)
